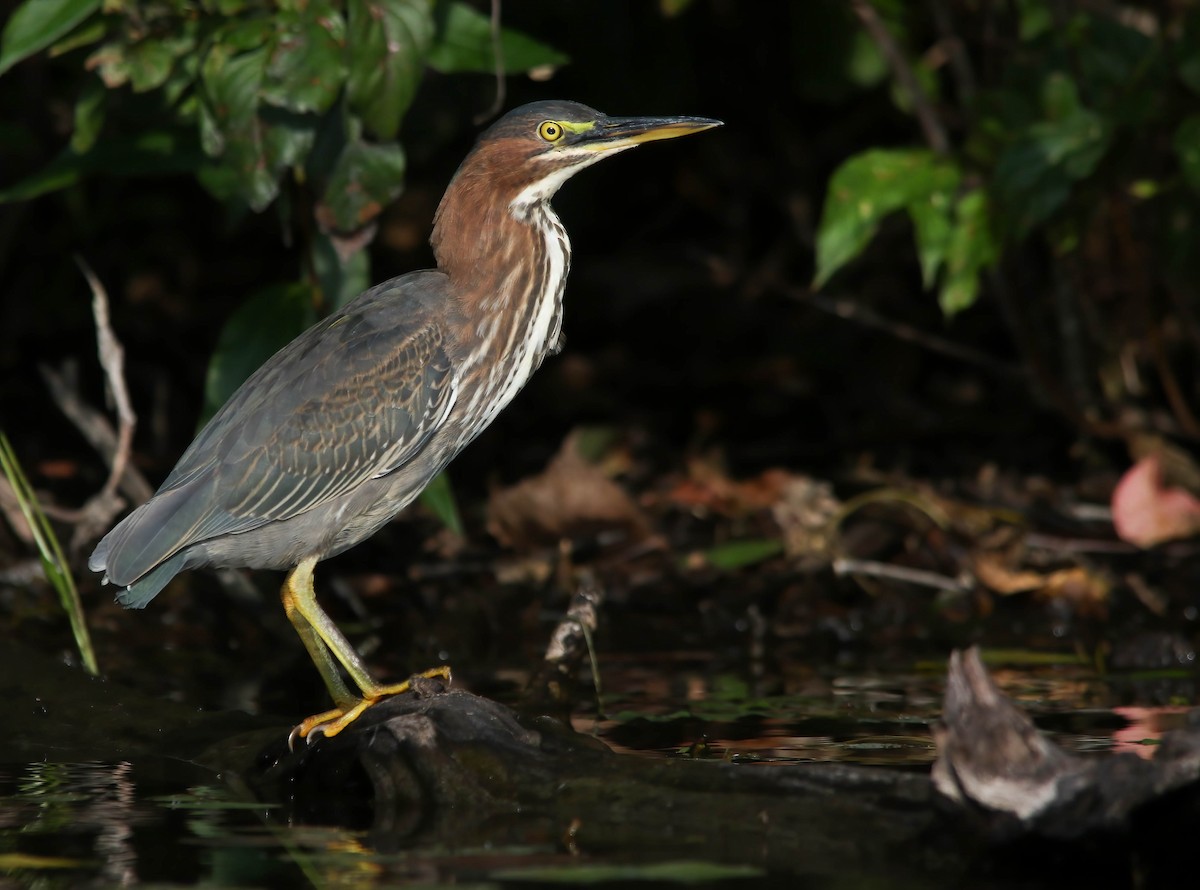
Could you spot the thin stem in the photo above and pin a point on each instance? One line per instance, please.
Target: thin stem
(935, 133)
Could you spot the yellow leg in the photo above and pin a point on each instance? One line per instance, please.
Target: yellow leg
(317, 650)
(329, 648)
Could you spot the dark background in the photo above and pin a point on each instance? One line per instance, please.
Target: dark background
(678, 314)
(689, 324)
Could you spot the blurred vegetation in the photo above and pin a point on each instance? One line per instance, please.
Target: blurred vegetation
(1062, 151)
(238, 167)
(55, 566)
(250, 98)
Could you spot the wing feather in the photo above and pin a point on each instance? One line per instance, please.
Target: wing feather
(351, 399)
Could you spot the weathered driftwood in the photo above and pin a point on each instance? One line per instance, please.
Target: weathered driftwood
(1012, 780)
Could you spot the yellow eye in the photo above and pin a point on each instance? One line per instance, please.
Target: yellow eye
(550, 131)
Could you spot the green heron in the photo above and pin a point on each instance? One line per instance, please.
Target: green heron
(343, 427)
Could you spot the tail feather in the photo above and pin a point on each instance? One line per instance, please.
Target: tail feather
(150, 545)
(138, 594)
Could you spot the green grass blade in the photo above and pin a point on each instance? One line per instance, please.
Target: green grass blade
(54, 563)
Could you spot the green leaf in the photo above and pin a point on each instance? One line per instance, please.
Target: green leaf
(229, 88)
(1123, 71)
(1034, 175)
(672, 8)
(1187, 51)
(1187, 146)
(89, 116)
(933, 227)
(1027, 185)
(341, 280)
(1074, 137)
(1144, 189)
(287, 137)
(255, 154)
(306, 70)
(150, 64)
(972, 248)
(90, 33)
(36, 24)
(264, 324)
(152, 153)
(147, 62)
(332, 136)
(870, 186)
(865, 66)
(1035, 18)
(438, 498)
(232, 132)
(739, 554)
(366, 178)
(63, 172)
(388, 41)
(178, 91)
(464, 45)
(243, 35)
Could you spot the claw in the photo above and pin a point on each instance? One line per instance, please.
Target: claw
(330, 723)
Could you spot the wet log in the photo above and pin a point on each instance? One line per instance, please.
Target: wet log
(440, 766)
(444, 767)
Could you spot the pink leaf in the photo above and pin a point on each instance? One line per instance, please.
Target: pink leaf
(1146, 513)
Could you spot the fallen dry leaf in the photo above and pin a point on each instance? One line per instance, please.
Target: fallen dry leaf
(1087, 592)
(804, 512)
(570, 497)
(709, 487)
(993, 569)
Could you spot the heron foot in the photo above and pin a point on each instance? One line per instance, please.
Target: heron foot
(330, 723)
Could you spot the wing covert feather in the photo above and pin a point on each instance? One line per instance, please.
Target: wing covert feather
(352, 398)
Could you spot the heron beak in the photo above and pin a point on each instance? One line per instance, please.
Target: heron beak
(616, 133)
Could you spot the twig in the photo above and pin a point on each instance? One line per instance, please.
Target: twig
(920, 577)
(94, 427)
(100, 509)
(960, 64)
(852, 311)
(1170, 383)
(498, 57)
(570, 642)
(935, 133)
(112, 359)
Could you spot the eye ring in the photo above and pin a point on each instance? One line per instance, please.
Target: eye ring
(551, 131)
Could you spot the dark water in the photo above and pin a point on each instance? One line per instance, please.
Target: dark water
(144, 811)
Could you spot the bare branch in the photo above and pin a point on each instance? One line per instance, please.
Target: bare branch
(112, 359)
(94, 427)
(888, 571)
(960, 62)
(498, 56)
(935, 133)
(867, 317)
(92, 518)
